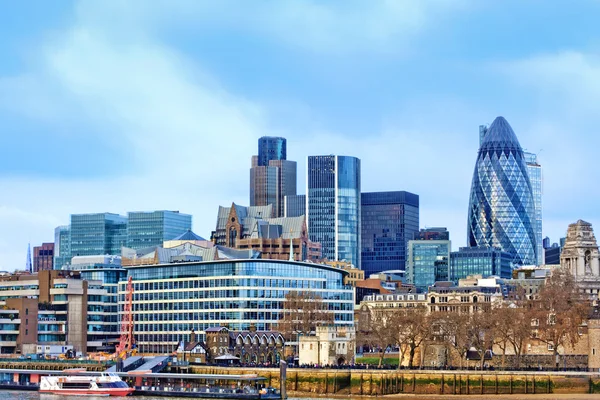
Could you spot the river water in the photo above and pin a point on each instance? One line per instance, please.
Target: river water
(14, 395)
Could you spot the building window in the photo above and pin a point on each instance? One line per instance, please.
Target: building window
(550, 347)
(593, 352)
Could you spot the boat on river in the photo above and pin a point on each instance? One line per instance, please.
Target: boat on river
(106, 384)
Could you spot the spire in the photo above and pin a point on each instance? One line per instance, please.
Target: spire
(28, 262)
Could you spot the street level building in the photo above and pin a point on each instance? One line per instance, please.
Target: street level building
(171, 299)
(330, 345)
(388, 221)
(333, 206)
(249, 346)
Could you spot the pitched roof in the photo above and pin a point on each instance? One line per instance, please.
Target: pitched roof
(189, 235)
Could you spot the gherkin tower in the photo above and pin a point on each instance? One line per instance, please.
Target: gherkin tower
(501, 205)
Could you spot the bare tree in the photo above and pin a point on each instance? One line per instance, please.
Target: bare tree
(559, 311)
(482, 330)
(302, 313)
(376, 329)
(454, 329)
(413, 329)
(513, 327)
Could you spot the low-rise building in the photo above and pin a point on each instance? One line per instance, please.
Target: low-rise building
(331, 345)
(472, 294)
(248, 347)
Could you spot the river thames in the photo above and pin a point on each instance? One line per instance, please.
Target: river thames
(14, 395)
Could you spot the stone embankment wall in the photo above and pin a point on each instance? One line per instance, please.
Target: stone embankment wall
(377, 383)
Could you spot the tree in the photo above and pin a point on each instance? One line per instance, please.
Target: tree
(482, 330)
(413, 330)
(376, 329)
(454, 330)
(514, 324)
(559, 311)
(302, 313)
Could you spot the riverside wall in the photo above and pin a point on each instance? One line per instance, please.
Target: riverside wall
(377, 382)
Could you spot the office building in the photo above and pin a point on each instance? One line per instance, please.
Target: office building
(98, 234)
(552, 254)
(152, 228)
(534, 170)
(388, 221)
(428, 262)
(171, 300)
(294, 205)
(433, 234)
(484, 261)
(272, 176)
(501, 204)
(43, 257)
(62, 246)
(251, 228)
(333, 206)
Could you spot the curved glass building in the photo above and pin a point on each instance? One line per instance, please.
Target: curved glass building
(501, 205)
(170, 300)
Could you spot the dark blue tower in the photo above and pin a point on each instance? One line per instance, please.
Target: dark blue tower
(501, 205)
(271, 148)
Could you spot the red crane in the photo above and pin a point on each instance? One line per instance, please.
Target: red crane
(126, 341)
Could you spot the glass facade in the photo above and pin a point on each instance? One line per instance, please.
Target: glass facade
(388, 221)
(428, 262)
(333, 206)
(171, 300)
(485, 261)
(295, 206)
(501, 205)
(97, 234)
(147, 229)
(62, 246)
(272, 177)
(534, 169)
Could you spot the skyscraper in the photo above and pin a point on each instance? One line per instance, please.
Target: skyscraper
(272, 177)
(388, 221)
(428, 261)
(534, 170)
(152, 228)
(295, 205)
(333, 206)
(501, 205)
(98, 234)
(62, 246)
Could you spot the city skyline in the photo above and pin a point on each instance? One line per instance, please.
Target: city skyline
(101, 102)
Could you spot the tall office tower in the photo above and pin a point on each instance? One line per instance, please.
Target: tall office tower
(501, 204)
(433, 234)
(534, 169)
(333, 206)
(388, 221)
(272, 177)
(98, 234)
(43, 257)
(152, 228)
(62, 246)
(294, 205)
(428, 262)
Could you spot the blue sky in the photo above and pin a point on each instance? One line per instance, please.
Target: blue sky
(136, 105)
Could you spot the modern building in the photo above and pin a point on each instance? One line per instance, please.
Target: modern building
(43, 257)
(272, 176)
(48, 308)
(62, 246)
(534, 169)
(171, 300)
(552, 254)
(428, 262)
(501, 204)
(152, 228)
(333, 206)
(483, 261)
(294, 205)
(98, 234)
(388, 221)
(251, 228)
(433, 234)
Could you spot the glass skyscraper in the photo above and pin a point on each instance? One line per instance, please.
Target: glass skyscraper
(152, 228)
(501, 204)
(388, 221)
(98, 234)
(428, 262)
(534, 169)
(272, 177)
(333, 206)
(295, 205)
(62, 246)
(484, 261)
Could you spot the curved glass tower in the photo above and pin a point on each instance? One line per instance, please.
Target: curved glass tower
(501, 205)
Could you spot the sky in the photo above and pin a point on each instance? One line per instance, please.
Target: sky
(116, 106)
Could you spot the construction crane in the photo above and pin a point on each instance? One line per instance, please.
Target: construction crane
(126, 344)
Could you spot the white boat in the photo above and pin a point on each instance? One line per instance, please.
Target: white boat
(107, 384)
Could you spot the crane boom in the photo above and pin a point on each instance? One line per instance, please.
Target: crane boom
(126, 340)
